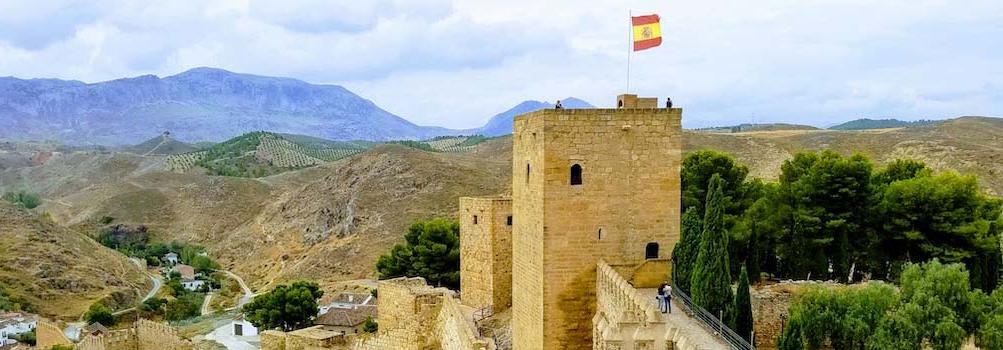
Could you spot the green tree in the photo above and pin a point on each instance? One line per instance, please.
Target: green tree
(684, 254)
(29, 337)
(99, 313)
(697, 169)
(184, 306)
(61, 347)
(945, 217)
(23, 199)
(711, 280)
(370, 326)
(743, 307)
(431, 250)
(285, 307)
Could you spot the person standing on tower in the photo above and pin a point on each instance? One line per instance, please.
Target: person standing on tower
(558, 105)
(668, 102)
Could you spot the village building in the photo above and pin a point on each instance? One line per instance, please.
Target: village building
(243, 328)
(13, 324)
(347, 320)
(171, 258)
(188, 277)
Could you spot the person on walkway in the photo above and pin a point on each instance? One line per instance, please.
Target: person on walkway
(668, 299)
(558, 105)
(668, 102)
(662, 301)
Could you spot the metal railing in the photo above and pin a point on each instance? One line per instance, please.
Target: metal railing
(711, 322)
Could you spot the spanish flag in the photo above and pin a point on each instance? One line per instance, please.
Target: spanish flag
(647, 32)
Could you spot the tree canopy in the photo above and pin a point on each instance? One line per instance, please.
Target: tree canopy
(684, 254)
(431, 250)
(99, 313)
(934, 306)
(287, 307)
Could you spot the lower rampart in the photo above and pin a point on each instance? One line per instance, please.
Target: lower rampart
(49, 334)
(144, 335)
(626, 320)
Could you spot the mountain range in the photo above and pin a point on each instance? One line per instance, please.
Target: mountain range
(208, 104)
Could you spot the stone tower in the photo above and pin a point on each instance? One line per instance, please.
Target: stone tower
(486, 252)
(587, 184)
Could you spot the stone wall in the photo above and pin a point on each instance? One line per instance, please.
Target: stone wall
(456, 331)
(114, 340)
(486, 252)
(625, 320)
(159, 336)
(144, 335)
(428, 318)
(629, 197)
(49, 334)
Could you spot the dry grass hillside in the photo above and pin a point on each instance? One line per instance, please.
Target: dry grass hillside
(61, 272)
(330, 222)
(971, 145)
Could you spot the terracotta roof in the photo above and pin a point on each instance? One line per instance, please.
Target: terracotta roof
(346, 317)
(95, 328)
(187, 272)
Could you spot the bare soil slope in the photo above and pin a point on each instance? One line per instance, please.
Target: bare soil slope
(60, 271)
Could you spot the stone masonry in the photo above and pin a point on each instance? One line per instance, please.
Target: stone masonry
(624, 211)
(486, 251)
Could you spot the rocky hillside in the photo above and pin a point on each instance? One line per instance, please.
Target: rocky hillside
(59, 271)
(199, 104)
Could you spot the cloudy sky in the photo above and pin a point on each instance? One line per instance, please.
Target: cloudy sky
(456, 63)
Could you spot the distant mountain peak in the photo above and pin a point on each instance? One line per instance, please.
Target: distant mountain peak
(501, 123)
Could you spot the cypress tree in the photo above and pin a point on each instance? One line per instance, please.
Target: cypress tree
(743, 307)
(711, 280)
(684, 255)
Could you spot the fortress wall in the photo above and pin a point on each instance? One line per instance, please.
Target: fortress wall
(114, 340)
(456, 331)
(399, 300)
(49, 334)
(273, 340)
(159, 336)
(629, 197)
(626, 320)
(486, 252)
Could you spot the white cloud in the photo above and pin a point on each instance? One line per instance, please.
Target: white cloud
(455, 63)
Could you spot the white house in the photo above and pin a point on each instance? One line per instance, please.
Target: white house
(192, 285)
(171, 258)
(15, 323)
(242, 328)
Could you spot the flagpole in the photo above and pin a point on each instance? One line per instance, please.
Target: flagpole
(630, 29)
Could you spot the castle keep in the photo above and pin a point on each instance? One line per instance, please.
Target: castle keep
(574, 254)
(587, 185)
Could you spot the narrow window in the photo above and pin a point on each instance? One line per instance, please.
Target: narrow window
(475, 219)
(600, 234)
(651, 251)
(527, 172)
(509, 220)
(576, 174)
